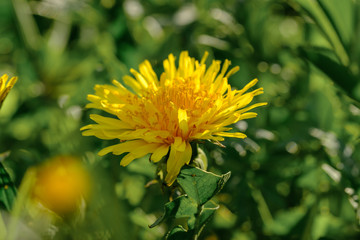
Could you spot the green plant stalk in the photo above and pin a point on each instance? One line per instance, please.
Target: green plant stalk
(23, 193)
(262, 206)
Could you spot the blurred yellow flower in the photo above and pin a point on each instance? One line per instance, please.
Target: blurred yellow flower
(61, 184)
(162, 116)
(5, 86)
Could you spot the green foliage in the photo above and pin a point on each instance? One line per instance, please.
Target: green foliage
(178, 233)
(336, 20)
(181, 207)
(201, 185)
(194, 206)
(297, 174)
(7, 189)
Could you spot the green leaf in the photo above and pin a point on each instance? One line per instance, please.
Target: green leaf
(7, 189)
(321, 110)
(181, 207)
(200, 159)
(208, 211)
(341, 15)
(286, 220)
(318, 13)
(201, 185)
(179, 233)
(340, 74)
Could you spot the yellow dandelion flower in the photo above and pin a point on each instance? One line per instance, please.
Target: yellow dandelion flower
(61, 183)
(162, 116)
(5, 86)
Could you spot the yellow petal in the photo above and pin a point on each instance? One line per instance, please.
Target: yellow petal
(97, 131)
(247, 115)
(147, 71)
(132, 83)
(3, 79)
(140, 152)
(203, 59)
(121, 148)
(179, 144)
(183, 123)
(110, 123)
(252, 107)
(248, 86)
(169, 67)
(140, 78)
(6, 86)
(12, 81)
(231, 134)
(128, 158)
(159, 153)
(232, 71)
(176, 161)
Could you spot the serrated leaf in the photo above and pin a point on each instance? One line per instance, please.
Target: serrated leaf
(179, 233)
(201, 185)
(181, 207)
(7, 189)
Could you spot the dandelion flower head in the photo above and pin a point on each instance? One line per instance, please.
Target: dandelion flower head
(61, 184)
(162, 116)
(5, 86)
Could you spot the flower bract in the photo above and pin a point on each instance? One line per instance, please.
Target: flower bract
(162, 116)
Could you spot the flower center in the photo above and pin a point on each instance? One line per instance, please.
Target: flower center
(159, 109)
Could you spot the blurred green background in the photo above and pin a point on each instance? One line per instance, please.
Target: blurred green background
(296, 176)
